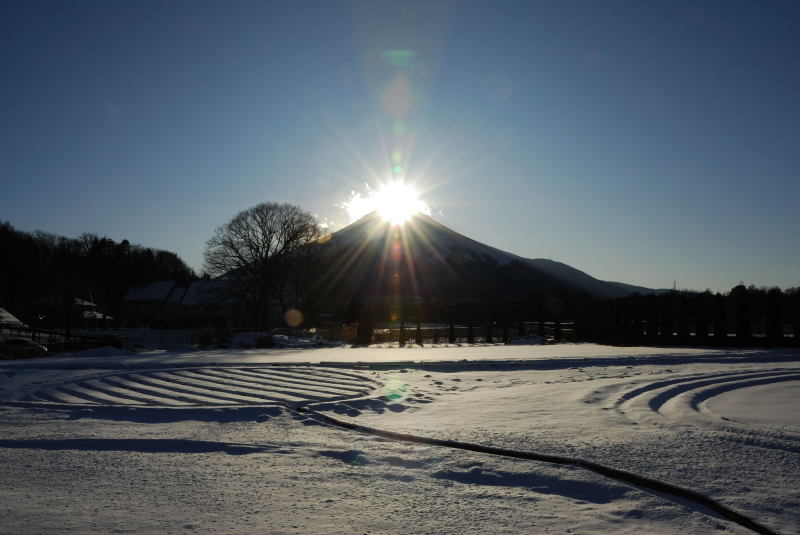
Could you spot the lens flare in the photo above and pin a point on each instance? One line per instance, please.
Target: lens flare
(396, 388)
(293, 317)
(395, 202)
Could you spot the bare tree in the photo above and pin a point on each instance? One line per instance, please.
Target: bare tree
(260, 251)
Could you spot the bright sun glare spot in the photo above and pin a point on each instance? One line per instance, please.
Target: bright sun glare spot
(395, 202)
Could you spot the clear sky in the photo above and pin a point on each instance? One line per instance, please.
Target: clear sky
(644, 142)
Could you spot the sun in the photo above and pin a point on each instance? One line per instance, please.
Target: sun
(395, 202)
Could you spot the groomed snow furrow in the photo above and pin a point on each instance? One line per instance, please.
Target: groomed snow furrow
(97, 395)
(705, 394)
(336, 377)
(309, 391)
(296, 378)
(126, 397)
(656, 385)
(682, 399)
(221, 385)
(193, 393)
(202, 381)
(167, 393)
(252, 382)
(664, 396)
(53, 395)
(206, 387)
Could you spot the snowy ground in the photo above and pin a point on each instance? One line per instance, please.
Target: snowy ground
(211, 442)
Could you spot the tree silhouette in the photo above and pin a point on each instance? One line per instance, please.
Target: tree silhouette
(652, 317)
(794, 304)
(683, 319)
(741, 298)
(701, 317)
(720, 321)
(774, 318)
(365, 325)
(666, 318)
(259, 250)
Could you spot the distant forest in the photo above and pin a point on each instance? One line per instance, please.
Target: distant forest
(744, 316)
(44, 277)
(42, 268)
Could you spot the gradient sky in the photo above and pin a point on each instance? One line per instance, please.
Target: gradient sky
(644, 142)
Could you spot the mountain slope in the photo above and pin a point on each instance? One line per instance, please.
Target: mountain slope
(425, 259)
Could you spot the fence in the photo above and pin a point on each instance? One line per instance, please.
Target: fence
(471, 333)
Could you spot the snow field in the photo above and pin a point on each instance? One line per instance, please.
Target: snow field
(173, 443)
(651, 420)
(284, 475)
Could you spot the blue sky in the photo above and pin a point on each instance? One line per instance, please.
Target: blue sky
(644, 142)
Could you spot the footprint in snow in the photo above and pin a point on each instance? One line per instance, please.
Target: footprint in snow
(348, 456)
(340, 409)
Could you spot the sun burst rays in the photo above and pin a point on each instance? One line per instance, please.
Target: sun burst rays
(395, 202)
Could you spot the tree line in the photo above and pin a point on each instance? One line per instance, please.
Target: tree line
(43, 269)
(746, 315)
(270, 256)
(269, 253)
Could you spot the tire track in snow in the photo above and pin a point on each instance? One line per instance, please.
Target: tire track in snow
(630, 478)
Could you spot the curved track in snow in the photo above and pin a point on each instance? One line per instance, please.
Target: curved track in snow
(614, 473)
(193, 387)
(684, 400)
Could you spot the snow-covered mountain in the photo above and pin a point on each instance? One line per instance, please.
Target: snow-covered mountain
(425, 258)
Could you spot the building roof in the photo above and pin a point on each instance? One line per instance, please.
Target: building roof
(7, 319)
(58, 300)
(150, 291)
(208, 293)
(94, 315)
(177, 294)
